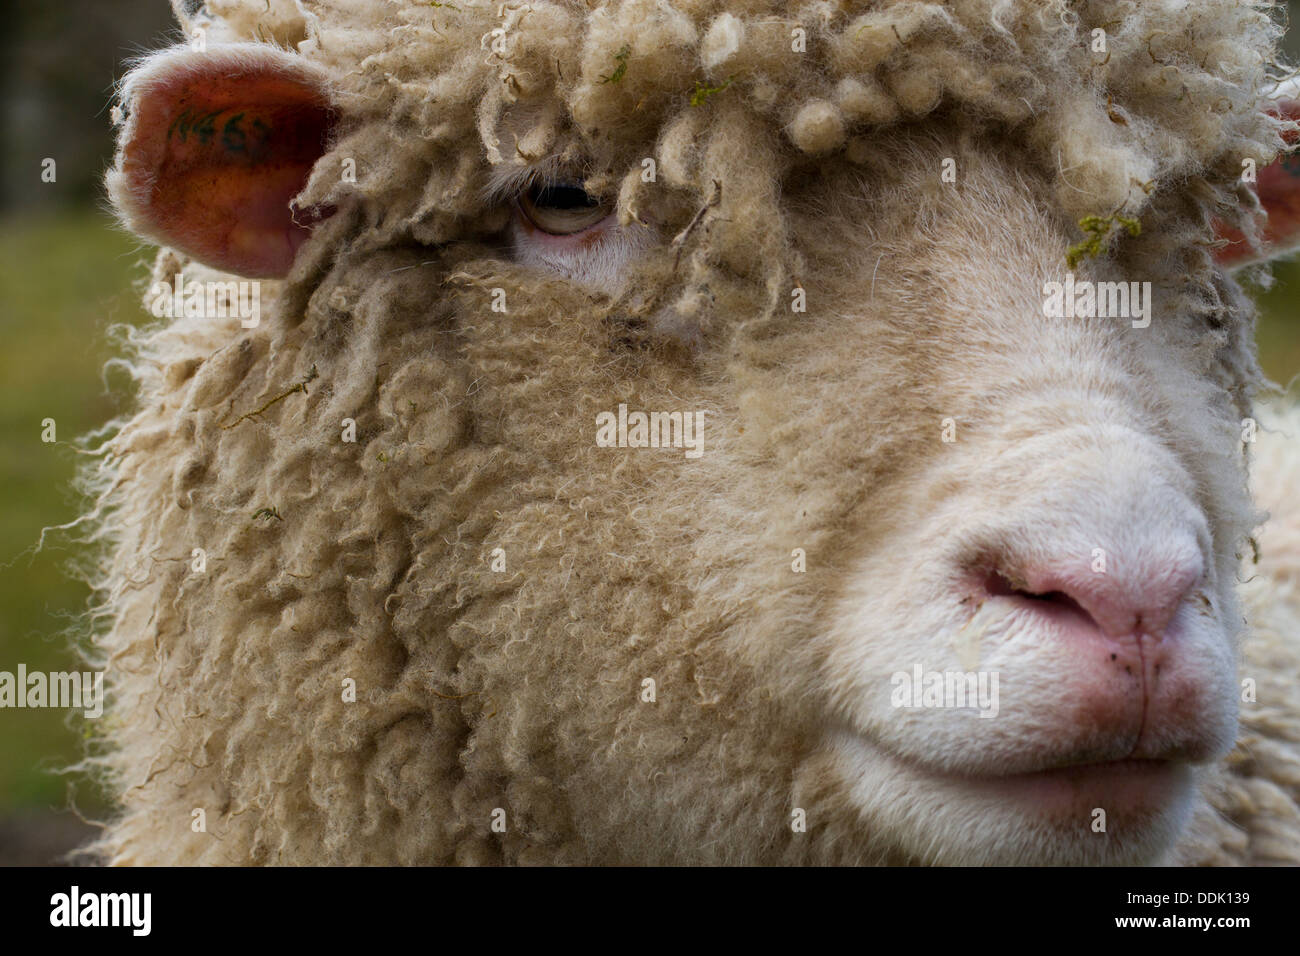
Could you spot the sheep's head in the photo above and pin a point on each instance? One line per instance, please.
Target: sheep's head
(818, 241)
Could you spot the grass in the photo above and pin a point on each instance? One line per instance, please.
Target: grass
(63, 281)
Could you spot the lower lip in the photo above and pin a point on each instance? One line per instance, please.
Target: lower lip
(1131, 791)
(1067, 794)
(1130, 785)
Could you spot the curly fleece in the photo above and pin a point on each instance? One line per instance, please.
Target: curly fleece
(375, 566)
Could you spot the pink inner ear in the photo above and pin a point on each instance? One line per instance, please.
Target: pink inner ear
(217, 153)
(1278, 188)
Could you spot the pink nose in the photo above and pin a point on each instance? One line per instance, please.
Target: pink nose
(1137, 594)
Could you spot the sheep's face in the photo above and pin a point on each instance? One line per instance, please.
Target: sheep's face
(1026, 523)
(907, 569)
(981, 557)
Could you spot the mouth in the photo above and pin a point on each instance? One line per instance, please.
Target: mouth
(1062, 792)
(1128, 784)
(1084, 810)
(1071, 792)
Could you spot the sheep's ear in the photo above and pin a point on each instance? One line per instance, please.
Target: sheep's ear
(215, 145)
(1278, 188)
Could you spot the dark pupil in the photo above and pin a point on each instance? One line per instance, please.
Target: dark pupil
(564, 197)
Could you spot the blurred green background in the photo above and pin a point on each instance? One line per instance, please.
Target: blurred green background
(66, 276)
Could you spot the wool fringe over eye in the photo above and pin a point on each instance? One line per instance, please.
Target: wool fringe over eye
(1119, 99)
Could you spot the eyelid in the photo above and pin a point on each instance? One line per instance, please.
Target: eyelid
(555, 180)
(508, 183)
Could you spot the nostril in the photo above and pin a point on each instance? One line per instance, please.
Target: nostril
(998, 584)
(1140, 595)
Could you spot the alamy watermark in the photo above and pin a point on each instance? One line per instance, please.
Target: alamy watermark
(1098, 300)
(651, 430)
(129, 910)
(976, 690)
(57, 689)
(241, 299)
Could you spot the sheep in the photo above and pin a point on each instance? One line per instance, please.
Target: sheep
(372, 590)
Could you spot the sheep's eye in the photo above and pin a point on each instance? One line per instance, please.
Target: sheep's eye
(562, 209)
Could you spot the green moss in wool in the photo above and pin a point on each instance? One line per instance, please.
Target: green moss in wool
(1099, 230)
(700, 95)
(621, 58)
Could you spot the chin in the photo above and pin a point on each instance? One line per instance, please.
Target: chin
(1125, 812)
